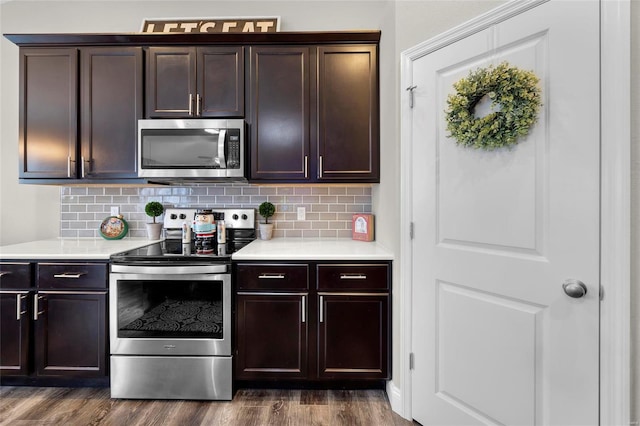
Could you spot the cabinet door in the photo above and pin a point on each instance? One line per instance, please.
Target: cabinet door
(71, 333)
(14, 333)
(353, 336)
(280, 98)
(220, 77)
(348, 124)
(171, 82)
(48, 113)
(111, 100)
(271, 332)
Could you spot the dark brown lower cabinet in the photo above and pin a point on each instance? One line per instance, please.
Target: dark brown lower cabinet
(353, 336)
(272, 336)
(313, 321)
(53, 323)
(70, 334)
(15, 322)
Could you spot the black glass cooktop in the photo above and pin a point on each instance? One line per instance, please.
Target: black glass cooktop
(174, 250)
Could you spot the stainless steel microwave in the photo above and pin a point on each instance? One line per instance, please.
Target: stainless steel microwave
(203, 148)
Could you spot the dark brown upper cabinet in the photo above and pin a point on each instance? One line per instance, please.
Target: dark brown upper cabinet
(48, 113)
(314, 114)
(348, 124)
(111, 92)
(195, 82)
(280, 116)
(79, 125)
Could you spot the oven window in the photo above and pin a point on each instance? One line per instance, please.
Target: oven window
(176, 309)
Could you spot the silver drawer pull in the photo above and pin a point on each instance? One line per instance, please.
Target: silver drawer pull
(70, 275)
(36, 310)
(271, 276)
(353, 277)
(3, 273)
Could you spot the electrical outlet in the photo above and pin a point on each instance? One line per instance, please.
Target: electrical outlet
(301, 213)
(115, 210)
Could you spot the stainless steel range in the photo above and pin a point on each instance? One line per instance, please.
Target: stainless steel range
(170, 310)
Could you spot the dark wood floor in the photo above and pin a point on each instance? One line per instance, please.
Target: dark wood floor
(93, 406)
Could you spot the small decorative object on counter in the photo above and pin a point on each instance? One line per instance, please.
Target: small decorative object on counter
(204, 226)
(362, 227)
(114, 228)
(154, 209)
(266, 210)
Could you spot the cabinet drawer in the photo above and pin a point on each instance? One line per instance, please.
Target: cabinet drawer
(15, 275)
(272, 277)
(353, 277)
(72, 275)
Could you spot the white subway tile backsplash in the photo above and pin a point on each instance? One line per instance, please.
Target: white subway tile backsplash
(328, 208)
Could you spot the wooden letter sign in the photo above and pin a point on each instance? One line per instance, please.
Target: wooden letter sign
(212, 25)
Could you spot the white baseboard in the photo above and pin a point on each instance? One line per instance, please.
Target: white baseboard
(395, 398)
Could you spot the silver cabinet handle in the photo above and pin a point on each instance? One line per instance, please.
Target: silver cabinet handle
(82, 166)
(19, 311)
(69, 166)
(88, 161)
(306, 166)
(35, 307)
(190, 104)
(320, 167)
(198, 104)
(353, 277)
(70, 275)
(3, 273)
(304, 309)
(271, 276)
(321, 308)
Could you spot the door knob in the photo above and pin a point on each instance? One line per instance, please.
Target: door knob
(574, 288)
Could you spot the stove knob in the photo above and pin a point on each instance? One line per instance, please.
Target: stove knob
(183, 216)
(235, 217)
(173, 216)
(244, 217)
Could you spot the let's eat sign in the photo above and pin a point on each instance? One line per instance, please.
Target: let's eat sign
(212, 25)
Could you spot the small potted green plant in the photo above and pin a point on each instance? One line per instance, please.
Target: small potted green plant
(266, 210)
(154, 209)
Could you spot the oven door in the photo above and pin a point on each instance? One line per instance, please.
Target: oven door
(170, 310)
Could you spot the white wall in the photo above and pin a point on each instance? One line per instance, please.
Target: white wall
(26, 214)
(635, 211)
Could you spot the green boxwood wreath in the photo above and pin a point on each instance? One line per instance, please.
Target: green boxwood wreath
(515, 91)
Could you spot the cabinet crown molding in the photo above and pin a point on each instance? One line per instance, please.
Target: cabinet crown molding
(182, 39)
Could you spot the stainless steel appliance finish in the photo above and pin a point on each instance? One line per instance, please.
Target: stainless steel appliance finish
(170, 343)
(159, 377)
(170, 313)
(191, 149)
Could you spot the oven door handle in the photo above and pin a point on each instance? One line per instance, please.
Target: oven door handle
(171, 269)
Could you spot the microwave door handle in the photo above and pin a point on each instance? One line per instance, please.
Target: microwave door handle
(221, 138)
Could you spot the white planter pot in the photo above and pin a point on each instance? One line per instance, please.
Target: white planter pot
(266, 230)
(154, 230)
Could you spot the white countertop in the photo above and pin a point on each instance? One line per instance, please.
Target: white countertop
(313, 249)
(70, 248)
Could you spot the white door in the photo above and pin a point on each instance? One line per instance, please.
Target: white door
(495, 338)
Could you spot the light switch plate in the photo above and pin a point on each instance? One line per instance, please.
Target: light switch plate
(115, 210)
(301, 213)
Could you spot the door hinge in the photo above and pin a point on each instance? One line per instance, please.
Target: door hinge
(411, 361)
(410, 89)
(411, 230)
